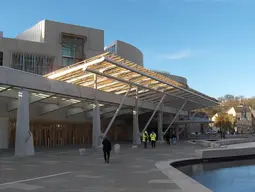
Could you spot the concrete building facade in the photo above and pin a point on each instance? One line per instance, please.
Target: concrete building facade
(75, 104)
(126, 50)
(50, 45)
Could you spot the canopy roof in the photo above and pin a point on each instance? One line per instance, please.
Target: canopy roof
(117, 75)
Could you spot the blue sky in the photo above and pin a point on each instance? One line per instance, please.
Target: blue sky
(211, 42)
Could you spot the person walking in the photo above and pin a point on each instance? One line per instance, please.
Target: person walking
(145, 137)
(107, 147)
(167, 138)
(153, 139)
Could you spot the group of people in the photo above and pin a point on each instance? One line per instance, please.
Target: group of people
(146, 138)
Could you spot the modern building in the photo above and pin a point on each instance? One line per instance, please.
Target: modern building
(101, 94)
(126, 50)
(50, 45)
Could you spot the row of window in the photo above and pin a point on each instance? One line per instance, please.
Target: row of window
(32, 63)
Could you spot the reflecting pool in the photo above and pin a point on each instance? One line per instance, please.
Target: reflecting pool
(233, 176)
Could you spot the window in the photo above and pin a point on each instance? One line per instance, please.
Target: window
(1, 58)
(72, 48)
(68, 61)
(68, 51)
(112, 49)
(32, 63)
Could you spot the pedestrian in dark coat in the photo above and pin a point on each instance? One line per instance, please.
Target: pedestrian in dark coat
(107, 147)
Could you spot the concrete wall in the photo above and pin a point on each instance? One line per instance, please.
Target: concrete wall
(44, 38)
(35, 33)
(4, 121)
(93, 46)
(128, 51)
(36, 82)
(179, 79)
(8, 46)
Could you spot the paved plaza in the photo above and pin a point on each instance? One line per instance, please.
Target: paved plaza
(132, 170)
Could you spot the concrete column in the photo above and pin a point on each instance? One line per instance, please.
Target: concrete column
(96, 132)
(4, 122)
(96, 125)
(24, 143)
(136, 131)
(177, 131)
(160, 126)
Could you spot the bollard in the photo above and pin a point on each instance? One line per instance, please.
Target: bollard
(82, 151)
(117, 148)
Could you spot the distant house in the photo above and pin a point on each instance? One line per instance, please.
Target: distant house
(245, 117)
(214, 117)
(238, 112)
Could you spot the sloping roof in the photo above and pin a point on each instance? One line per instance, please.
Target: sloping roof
(253, 112)
(117, 75)
(239, 109)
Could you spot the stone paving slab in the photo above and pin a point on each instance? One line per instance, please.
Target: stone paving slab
(132, 170)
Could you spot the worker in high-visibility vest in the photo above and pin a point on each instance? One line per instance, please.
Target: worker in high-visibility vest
(145, 137)
(153, 139)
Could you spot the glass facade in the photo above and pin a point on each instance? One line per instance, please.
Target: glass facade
(38, 64)
(72, 49)
(112, 49)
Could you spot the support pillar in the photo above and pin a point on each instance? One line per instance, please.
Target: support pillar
(24, 143)
(4, 122)
(96, 132)
(136, 131)
(156, 109)
(160, 126)
(96, 141)
(177, 114)
(116, 112)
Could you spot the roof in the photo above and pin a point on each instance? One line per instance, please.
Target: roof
(117, 75)
(239, 109)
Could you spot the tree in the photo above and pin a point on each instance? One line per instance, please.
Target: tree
(229, 97)
(224, 121)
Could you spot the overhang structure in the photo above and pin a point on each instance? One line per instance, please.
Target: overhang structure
(122, 77)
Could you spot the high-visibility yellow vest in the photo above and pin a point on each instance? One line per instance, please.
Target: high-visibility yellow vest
(144, 137)
(153, 136)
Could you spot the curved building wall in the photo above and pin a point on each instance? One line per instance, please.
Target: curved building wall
(179, 79)
(126, 51)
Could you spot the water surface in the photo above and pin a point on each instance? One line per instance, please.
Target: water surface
(234, 176)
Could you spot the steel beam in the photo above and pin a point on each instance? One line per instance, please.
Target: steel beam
(104, 110)
(116, 113)
(83, 66)
(76, 111)
(122, 112)
(3, 89)
(156, 79)
(177, 114)
(34, 98)
(142, 86)
(54, 107)
(193, 115)
(147, 124)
